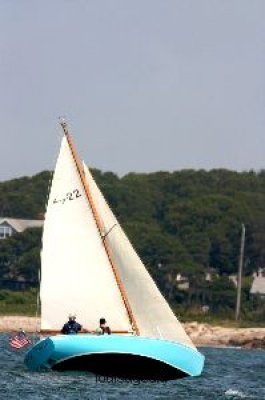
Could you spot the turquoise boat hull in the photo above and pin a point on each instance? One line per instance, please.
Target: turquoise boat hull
(116, 355)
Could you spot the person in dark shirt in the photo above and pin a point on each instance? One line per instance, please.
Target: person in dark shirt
(104, 328)
(71, 327)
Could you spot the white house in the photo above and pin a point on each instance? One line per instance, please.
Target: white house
(9, 226)
(258, 284)
(182, 282)
(233, 279)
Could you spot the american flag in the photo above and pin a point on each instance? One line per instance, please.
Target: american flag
(19, 341)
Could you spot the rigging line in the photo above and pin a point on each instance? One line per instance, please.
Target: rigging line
(106, 234)
(99, 226)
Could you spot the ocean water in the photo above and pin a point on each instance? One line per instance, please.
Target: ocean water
(229, 374)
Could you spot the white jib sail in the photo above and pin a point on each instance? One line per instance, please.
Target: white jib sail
(153, 315)
(76, 275)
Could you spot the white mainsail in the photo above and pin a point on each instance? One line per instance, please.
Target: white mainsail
(151, 311)
(76, 275)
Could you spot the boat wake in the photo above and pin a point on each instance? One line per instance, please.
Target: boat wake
(235, 394)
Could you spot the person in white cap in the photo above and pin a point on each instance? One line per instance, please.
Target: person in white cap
(71, 327)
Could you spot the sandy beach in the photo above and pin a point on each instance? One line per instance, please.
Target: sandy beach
(10, 324)
(201, 334)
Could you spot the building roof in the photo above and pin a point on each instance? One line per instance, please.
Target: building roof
(19, 225)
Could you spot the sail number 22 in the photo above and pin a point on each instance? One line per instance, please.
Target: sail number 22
(68, 196)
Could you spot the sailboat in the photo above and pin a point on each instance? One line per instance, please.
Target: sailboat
(90, 268)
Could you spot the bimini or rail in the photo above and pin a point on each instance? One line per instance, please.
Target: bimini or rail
(131, 357)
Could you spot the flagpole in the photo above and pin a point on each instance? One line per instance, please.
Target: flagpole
(240, 268)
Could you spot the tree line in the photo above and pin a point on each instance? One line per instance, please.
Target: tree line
(185, 222)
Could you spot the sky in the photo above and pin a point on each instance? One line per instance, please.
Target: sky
(146, 85)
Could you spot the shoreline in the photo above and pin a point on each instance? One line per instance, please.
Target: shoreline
(201, 334)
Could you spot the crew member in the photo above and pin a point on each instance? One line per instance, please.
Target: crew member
(103, 327)
(71, 327)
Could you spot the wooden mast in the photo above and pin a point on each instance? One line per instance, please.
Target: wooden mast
(99, 226)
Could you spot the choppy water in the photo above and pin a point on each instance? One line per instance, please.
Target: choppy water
(229, 374)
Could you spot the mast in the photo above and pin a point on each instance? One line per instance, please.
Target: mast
(99, 226)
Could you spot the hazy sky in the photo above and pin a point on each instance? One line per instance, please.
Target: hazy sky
(146, 85)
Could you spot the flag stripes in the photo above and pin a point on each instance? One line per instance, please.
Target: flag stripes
(18, 342)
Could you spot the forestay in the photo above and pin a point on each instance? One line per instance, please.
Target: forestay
(76, 275)
(152, 313)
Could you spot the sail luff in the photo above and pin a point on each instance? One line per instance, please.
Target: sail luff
(100, 227)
